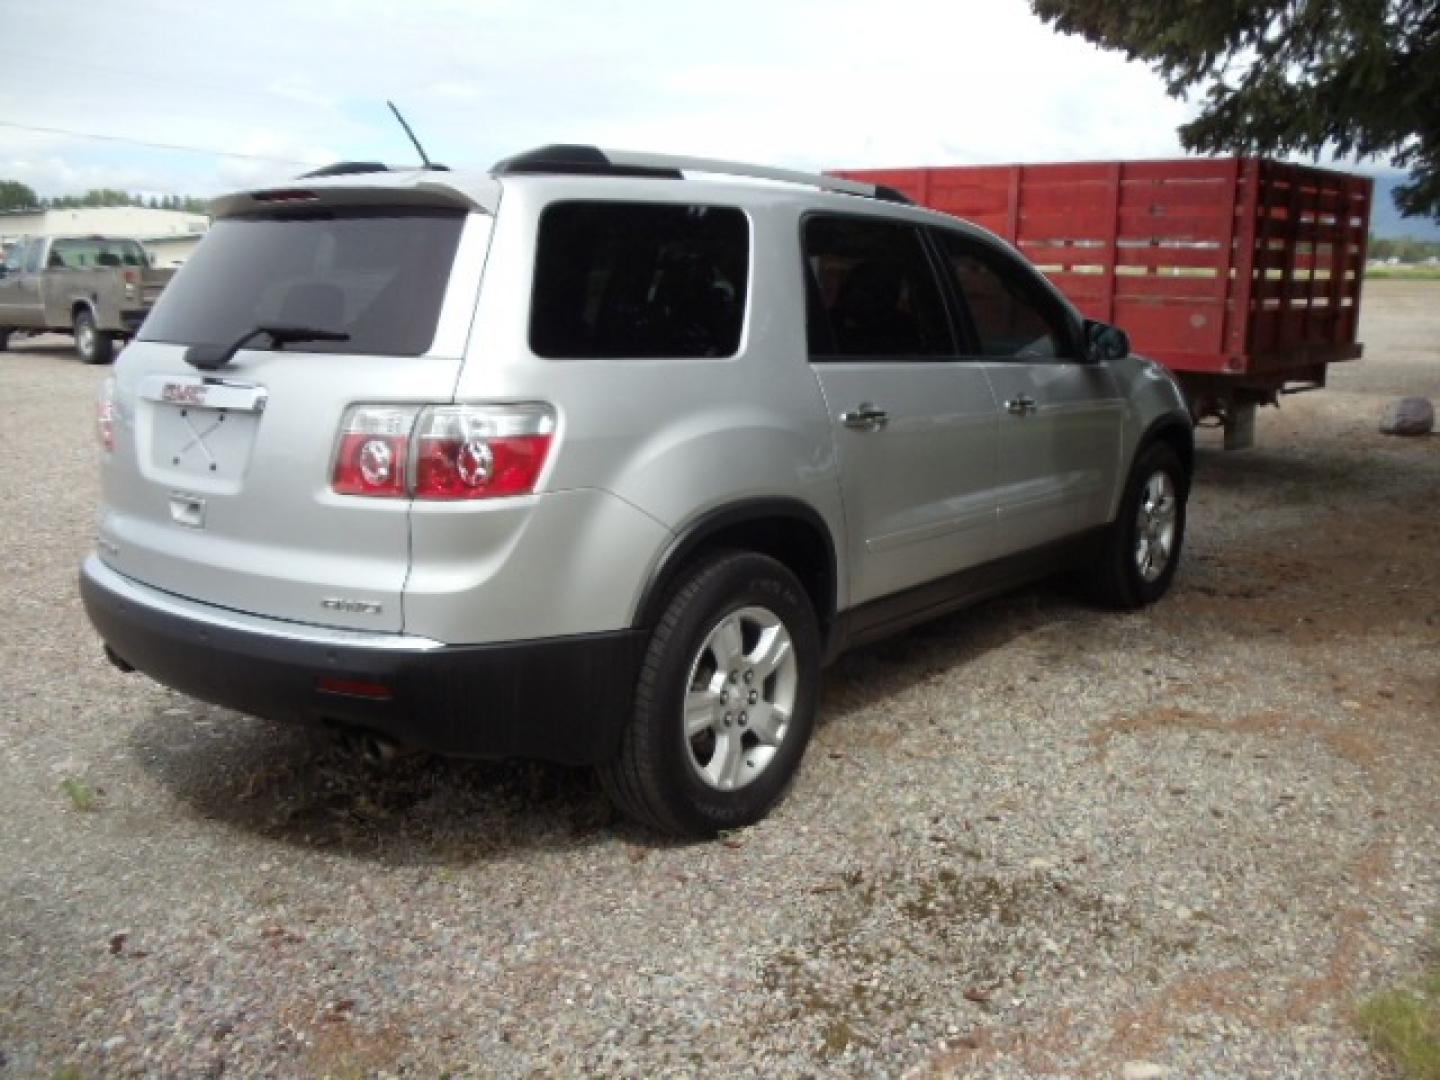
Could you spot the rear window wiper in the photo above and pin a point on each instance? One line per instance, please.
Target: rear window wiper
(213, 357)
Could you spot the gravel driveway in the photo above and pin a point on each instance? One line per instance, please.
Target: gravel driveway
(1032, 839)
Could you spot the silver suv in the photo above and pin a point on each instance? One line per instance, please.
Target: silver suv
(601, 457)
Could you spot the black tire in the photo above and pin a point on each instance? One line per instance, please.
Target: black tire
(1116, 579)
(655, 777)
(4, 340)
(94, 345)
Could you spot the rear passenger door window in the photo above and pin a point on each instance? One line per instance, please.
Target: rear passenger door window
(1008, 314)
(872, 291)
(631, 279)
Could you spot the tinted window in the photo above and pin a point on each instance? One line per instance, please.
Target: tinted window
(1008, 314)
(377, 275)
(872, 291)
(33, 253)
(89, 254)
(640, 280)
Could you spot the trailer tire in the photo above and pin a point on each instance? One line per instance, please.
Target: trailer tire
(94, 345)
(1140, 550)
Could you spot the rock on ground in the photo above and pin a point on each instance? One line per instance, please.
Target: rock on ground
(1408, 416)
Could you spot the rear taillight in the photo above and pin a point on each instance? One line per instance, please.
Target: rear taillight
(374, 452)
(105, 413)
(481, 451)
(443, 451)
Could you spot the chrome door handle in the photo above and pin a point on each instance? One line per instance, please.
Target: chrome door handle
(866, 418)
(1022, 405)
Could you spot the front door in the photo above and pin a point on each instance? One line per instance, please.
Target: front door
(915, 425)
(1060, 417)
(10, 285)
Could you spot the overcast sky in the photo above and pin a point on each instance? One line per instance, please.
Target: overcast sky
(809, 85)
(802, 84)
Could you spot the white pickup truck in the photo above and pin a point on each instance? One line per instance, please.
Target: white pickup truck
(98, 288)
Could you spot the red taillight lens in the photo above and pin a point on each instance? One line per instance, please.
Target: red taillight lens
(105, 414)
(374, 451)
(443, 451)
(481, 451)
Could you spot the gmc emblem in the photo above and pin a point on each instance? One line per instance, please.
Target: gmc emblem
(183, 393)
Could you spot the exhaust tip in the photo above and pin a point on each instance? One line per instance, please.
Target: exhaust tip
(370, 747)
(118, 661)
(378, 751)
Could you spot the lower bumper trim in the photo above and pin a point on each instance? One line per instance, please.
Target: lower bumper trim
(558, 699)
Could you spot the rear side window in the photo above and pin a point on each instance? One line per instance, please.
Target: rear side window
(92, 253)
(618, 279)
(1009, 316)
(378, 275)
(872, 291)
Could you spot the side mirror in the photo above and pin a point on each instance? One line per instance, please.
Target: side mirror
(1105, 342)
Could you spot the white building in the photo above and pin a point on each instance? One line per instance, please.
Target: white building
(170, 235)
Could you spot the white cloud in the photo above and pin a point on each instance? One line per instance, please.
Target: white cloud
(802, 84)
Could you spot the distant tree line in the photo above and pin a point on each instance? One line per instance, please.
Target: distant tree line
(1405, 248)
(17, 196)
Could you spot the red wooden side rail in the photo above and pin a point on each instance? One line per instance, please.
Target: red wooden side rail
(1241, 273)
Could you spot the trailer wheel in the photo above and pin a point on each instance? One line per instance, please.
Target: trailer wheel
(1140, 549)
(93, 344)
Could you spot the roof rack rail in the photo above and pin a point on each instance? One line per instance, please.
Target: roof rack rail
(591, 160)
(576, 160)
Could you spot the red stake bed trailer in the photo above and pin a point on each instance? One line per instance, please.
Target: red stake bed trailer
(1241, 274)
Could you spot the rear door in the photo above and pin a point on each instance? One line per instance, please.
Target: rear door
(219, 485)
(915, 425)
(1061, 417)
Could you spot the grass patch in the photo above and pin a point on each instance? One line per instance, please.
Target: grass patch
(1405, 1025)
(1403, 273)
(82, 796)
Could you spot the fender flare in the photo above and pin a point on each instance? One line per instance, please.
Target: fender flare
(693, 536)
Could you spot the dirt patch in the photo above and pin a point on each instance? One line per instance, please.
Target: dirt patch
(1354, 745)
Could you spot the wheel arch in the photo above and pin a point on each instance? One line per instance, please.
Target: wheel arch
(1176, 433)
(789, 531)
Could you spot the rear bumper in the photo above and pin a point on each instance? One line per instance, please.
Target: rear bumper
(560, 699)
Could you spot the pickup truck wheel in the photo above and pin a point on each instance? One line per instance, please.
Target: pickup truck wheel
(725, 702)
(94, 345)
(4, 340)
(1141, 547)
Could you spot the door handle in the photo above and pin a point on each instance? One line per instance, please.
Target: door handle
(1022, 405)
(866, 418)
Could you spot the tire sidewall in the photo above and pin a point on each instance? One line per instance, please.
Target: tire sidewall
(737, 583)
(99, 350)
(1155, 458)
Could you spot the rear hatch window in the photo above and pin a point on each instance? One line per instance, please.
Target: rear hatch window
(377, 275)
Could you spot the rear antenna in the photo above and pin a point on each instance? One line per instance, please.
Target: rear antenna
(418, 148)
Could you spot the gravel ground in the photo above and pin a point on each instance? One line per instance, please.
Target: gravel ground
(1031, 840)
